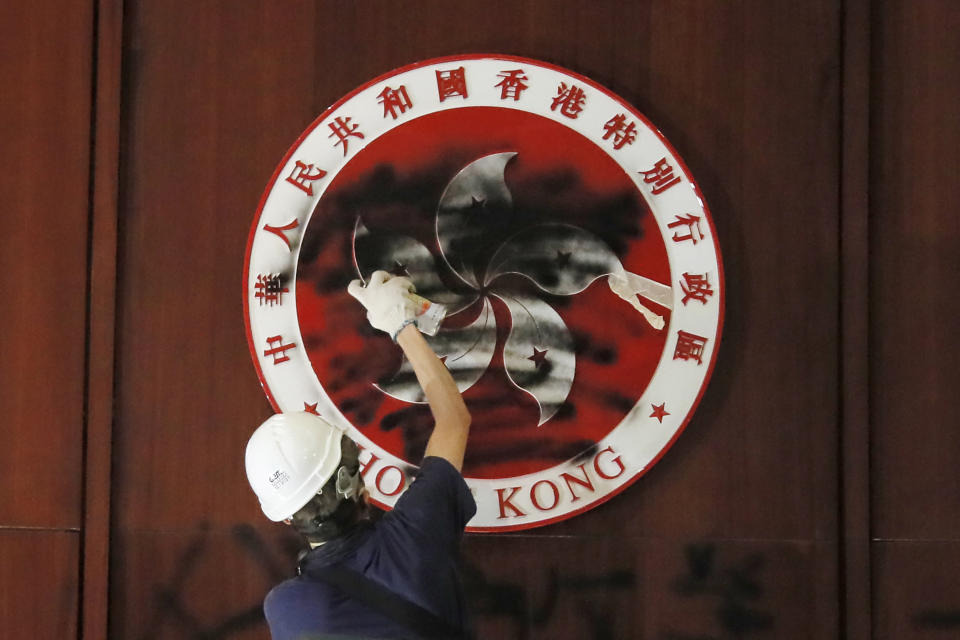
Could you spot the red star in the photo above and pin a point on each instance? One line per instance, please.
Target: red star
(311, 408)
(538, 357)
(659, 412)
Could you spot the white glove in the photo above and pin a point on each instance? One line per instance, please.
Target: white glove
(388, 301)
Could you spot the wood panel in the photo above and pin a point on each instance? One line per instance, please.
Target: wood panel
(206, 118)
(45, 62)
(38, 584)
(915, 234)
(915, 156)
(101, 319)
(203, 581)
(627, 587)
(214, 94)
(748, 94)
(917, 594)
(854, 450)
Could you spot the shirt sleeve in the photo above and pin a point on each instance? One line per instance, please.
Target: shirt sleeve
(279, 608)
(438, 504)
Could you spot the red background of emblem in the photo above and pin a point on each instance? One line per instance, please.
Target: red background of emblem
(615, 358)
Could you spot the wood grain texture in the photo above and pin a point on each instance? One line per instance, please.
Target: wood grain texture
(915, 155)
(207, 115)
(668, 589)
(101, 320)
(855, 324)
(38, 584)
(203, 582)
(915, 590)
(45, 62)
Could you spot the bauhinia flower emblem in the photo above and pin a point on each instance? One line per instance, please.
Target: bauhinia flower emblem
(559, 259)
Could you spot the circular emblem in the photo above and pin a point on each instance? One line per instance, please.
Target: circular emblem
(567, 240)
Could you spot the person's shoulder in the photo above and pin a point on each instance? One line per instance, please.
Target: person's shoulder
(438, 496)
(294, 607)
(277, 602)
(291, 593)
(279, 595)
(437, 475)
(435, 465)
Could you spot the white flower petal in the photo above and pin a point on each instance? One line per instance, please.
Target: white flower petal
(467, 352)
(538, 356)
(399, 254)
(462, 214)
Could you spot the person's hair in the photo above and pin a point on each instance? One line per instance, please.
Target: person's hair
(329, 515)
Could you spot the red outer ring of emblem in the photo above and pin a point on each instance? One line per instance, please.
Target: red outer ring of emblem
(598, 87)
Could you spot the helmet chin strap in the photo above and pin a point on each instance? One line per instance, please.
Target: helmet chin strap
(317, 521)
(329, 514)
(348, 484)
(319, 530)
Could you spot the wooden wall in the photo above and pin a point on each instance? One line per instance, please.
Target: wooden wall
(814, 494)
(914, 236)
(46, 53)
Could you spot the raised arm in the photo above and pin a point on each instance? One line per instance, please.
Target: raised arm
(391, 309)
(451, 418)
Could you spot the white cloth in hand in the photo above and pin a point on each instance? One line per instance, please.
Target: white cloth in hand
(388, 301)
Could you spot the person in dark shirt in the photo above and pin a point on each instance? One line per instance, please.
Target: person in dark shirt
(392, 577)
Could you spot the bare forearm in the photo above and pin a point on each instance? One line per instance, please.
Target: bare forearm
(452, 420)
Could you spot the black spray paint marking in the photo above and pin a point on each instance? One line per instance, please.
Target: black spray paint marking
(737, 589)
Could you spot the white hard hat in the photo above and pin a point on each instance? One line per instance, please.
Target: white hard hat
(289, 458)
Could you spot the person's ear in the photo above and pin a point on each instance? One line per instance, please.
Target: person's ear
(288, 521)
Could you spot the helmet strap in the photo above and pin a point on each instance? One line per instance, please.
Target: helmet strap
(348, 484)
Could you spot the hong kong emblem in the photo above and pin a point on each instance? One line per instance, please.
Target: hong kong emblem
(570, 245)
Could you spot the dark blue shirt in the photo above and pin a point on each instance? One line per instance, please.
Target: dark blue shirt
(412, 550)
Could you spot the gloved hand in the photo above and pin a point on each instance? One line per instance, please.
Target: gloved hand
(388, 300)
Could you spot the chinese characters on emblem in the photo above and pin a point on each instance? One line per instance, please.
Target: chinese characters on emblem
(623, 133)
(303, 176)
(269, 289)
(280, 232)
(394, 100)
(661, 176)
(342, 130)
(277, 349)
(452, 83)
(512, 84)
(569, 99)
(689, 347)
(695, 287)
(692, 223)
